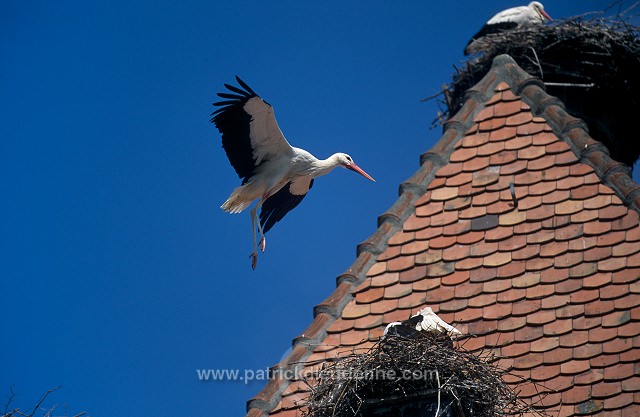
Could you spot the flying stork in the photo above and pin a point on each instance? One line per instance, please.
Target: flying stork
(424, 320)
(273, 172)
(516, 17)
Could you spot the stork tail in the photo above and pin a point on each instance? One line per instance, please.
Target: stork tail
(237, 201)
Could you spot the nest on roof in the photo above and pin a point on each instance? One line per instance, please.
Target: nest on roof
(426, 374)
(591, 64)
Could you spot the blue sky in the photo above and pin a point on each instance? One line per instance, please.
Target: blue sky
(120, 274)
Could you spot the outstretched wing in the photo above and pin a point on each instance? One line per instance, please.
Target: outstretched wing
(250, 132)
(282, 202)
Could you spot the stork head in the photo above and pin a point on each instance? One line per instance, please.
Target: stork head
(347, 162)
(538, 8)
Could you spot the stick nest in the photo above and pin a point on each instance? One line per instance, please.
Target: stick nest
(599, 50)
(590, 62)
(428, 367)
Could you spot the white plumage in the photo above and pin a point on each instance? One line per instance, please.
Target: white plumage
(424, 320)
(516, 17)
(273, 172)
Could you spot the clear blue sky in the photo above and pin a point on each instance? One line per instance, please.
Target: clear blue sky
(120, 274)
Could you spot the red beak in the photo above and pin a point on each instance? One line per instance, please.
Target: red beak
(356, 168)
(543, 13)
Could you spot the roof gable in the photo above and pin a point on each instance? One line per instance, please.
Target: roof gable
(517, 228)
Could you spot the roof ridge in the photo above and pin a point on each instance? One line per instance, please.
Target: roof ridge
(572, 130)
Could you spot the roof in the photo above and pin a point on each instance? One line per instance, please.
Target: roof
(548, 280)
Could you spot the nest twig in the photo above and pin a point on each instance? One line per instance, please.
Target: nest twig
(427, 371)
(590, 62)
(583, 51)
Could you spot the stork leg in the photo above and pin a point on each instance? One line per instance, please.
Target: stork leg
(254, 254)
(263, 240)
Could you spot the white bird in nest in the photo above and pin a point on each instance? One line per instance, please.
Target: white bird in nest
(273, 172)
(514, 18)
(424, 320)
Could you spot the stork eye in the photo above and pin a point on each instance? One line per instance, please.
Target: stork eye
(349, 159)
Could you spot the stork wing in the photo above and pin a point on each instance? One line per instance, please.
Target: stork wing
(514, 14)
(282, 202)
(250, 133)
(488, 29)
(413, 321)
(436, 323)
(400, 329)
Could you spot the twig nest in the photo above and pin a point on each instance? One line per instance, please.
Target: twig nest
(592, 65)
(426, 372)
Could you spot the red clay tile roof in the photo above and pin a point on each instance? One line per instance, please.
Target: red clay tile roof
(548, 280)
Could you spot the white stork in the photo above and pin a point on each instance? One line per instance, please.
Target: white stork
(273, 172)
(516, 17)
(424, 320)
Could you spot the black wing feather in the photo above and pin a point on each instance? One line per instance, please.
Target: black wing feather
(403, 330)
(245, 86)
(237, 90)
(234, 125)
(224, 103)
(278, 205)
(230, 96)
(413, 321)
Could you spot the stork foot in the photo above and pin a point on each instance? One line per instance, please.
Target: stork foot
(254, 260)
(263, 243)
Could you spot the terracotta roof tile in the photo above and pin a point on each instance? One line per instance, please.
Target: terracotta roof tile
(370, 295)
(354, 310)
(618, 345)
(604, 361)
(584, 296)
(596, 280)
(512, 269)
(633, 261)
(593, 377)
(385, 280)
(554, 275)
(400, 263)
(586, 323)
(598, 309)
(454, 305)
(570, 311)
(384, 306)
(611, 292)
(550, 284)
(538, 264)
(631, 384)
(412, 300)
(577, 395)
(629, 330)
(625, 276)
(622, 371)
(574, 339)
(475, 164)
(618, 401)
(584, 216)
(560, 383)
(396, 291)
(368, 322)
(569, 286)
(554, 357)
